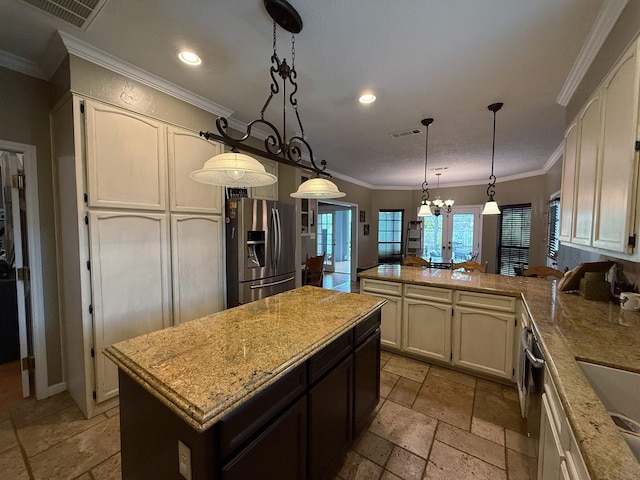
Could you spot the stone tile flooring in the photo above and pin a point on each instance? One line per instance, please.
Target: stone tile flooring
(431, 423)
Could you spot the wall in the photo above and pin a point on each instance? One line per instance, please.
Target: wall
(24, 104)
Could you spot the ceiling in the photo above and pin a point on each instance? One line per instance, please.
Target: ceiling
(446, 59)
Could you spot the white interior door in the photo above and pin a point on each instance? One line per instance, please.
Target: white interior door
(13, 182)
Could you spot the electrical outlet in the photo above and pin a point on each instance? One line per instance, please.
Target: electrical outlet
(184, 460)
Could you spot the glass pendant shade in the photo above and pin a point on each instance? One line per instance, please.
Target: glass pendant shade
(425, 210)
(318, 188)
(491, 208)
(233, 169)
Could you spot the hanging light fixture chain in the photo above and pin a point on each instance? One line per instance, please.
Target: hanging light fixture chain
(274, 37)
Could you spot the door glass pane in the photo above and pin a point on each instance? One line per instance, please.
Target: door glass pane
(432, 238)
(462, 237)
(325, 236)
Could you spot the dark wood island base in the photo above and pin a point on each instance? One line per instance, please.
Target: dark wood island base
(299, 427)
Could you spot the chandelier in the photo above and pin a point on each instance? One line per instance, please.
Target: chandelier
(440, 205)
(240, 170)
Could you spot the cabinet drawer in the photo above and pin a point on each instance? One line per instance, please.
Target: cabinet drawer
(326, 358)
(428, 293)
(376, 286)
(483, 300)
(240, 425)
(366, 327)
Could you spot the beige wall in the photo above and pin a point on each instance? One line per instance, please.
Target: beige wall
(24, 104)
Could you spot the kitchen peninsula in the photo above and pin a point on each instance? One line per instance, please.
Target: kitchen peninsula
(277, 388)
(568, 328)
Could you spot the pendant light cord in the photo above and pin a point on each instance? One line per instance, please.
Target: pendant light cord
(425, 186)
(494, 107)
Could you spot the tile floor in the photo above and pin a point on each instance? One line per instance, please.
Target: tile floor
(431, 423)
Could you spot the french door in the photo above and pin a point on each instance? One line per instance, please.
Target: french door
(453, 237)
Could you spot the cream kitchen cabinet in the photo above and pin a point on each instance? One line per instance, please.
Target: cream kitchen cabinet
(558, 453)
(426, 322)
(126, 160)
(130, 284)
(139, 244)
(267, 192)
(391, 320)
(599, 210)
(187, 151)
(483, 333)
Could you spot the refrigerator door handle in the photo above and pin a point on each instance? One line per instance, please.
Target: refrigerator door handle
(255, 287)
(279, 233)
(273, 249)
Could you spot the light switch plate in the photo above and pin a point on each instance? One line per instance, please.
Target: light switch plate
(184, 460)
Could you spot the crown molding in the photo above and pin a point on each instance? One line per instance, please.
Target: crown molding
(606, 19)
(99, 57)
(21, 65)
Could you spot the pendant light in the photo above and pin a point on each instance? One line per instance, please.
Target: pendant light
(491, 207)
(425, 210)
(233, 169)
(240, 170)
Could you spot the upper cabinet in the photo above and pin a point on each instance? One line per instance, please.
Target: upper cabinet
(126, 159)
(268, 192)
(187, 152)
(599, 210)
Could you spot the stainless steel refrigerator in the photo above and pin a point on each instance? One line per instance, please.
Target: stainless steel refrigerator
(260, 249)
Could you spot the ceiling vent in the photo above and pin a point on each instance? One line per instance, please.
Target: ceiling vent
(406, 133)
(78, 13)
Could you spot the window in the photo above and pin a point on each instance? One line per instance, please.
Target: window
(514, 238)
(553, 229)
(390, 236)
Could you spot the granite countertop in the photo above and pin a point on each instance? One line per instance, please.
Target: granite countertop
(204, 368)
(569, 328)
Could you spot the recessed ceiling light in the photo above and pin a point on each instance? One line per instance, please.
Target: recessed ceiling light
(189, 58)
(367, 98)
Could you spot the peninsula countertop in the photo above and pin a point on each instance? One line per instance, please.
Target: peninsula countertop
(204, 368)
(569, 328)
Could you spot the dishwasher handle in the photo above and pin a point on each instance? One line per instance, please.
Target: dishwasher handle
(535, 361)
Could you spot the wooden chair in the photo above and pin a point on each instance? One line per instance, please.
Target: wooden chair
(542, 272)
(469, 266)
(416, 262)
(314, 270)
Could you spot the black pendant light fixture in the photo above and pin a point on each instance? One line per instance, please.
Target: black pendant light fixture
(237, 169)
(491, 207)
(425, 210)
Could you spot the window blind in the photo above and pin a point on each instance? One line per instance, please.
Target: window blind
(514, 238)
(553, 229)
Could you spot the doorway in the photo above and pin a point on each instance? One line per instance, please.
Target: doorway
(337, 238)
(23, 367)
(453, 237)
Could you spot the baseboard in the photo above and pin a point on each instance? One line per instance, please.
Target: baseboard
(57, 388)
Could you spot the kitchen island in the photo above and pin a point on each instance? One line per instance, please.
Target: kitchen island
(568, 328)
(277, 388)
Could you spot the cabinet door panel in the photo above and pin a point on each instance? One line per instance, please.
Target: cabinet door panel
(366, 381)
(390, 320)
(197, 266)
(483, 341)
(187, 152)
(615, 205)
(130, 284)
(568, 182)
(426, 329)
(268, 192)
(330, 419)
(279, 452)
(586, 168)
(126, 159)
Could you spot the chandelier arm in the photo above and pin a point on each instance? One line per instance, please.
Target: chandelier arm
(236, 143)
